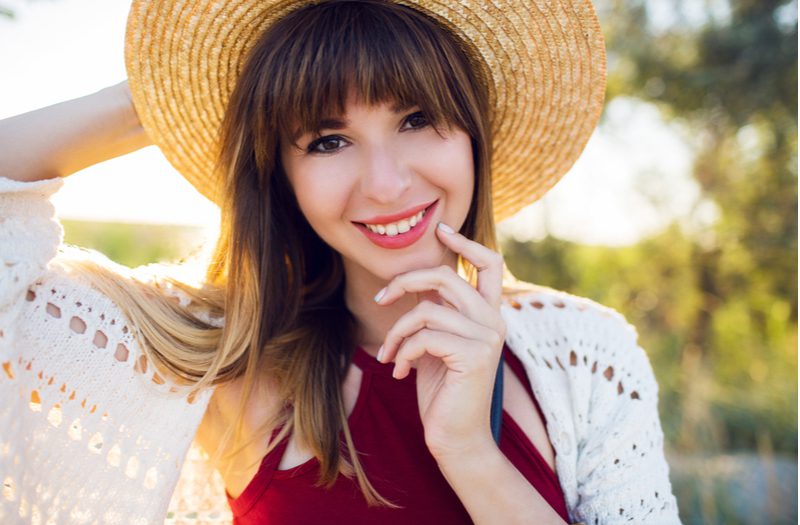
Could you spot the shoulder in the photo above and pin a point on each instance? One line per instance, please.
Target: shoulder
(579, 344)
(599, 395)
(544, 301)
(556, 314)
(64, 315)
(68, 325)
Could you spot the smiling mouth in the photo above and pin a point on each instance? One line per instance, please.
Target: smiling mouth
(393, 229)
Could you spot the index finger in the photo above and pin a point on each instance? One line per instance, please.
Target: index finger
(488, 263)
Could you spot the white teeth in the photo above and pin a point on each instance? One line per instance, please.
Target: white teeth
(398, 227)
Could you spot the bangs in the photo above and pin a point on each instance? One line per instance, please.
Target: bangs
(376, 51)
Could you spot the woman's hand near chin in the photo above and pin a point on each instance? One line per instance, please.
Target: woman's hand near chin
(454, 336)
(59, 140)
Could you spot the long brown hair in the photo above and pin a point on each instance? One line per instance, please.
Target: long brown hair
(281, 287)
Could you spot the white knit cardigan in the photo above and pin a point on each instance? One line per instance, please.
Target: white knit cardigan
(87, 436)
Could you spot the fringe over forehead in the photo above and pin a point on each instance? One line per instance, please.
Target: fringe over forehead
(313, 59)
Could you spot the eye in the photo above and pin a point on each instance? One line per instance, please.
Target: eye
(416, 121)
(328, 144)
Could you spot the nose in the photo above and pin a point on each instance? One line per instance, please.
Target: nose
(385, 174)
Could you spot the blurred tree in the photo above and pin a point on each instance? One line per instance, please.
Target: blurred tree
(734, 82)
(715, 301)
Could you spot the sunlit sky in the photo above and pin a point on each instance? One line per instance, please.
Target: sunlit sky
(632, 180)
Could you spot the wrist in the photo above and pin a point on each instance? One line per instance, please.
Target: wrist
(475, 451)
(120, 96)
(131, 134)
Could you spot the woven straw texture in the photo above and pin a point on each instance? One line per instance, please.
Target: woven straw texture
(545, 59)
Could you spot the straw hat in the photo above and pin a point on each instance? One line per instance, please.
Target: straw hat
(546, 60)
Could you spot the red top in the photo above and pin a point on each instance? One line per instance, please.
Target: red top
(388, 433)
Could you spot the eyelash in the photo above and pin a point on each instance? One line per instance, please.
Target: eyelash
(312, 148)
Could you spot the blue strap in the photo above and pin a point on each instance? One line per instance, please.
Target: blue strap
(496, 417)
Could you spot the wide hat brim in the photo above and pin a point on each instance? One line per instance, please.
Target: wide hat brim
(545, 60)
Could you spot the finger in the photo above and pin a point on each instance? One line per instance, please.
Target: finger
(488, 262)
(444, 281)
(459, 354)
(430, 316)
(430, 295)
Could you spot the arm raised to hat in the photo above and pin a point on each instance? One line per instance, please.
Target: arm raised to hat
(61, 139)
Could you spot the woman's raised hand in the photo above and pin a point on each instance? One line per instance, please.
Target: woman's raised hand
(455, 343)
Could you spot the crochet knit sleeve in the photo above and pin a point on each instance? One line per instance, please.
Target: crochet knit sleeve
(89, 433)
(600, 398)
(29, 239)
(622, 470)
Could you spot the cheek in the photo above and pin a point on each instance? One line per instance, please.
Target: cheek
(321, 197)
(450, 166)
(320, 203)
(460, 156)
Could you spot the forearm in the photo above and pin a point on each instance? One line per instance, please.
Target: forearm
(494, 491)
(59, 140)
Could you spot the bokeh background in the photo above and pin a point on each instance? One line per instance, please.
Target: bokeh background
(682, 215)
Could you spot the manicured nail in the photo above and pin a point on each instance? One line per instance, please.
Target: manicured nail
(445, 228)
(380, 354)
(379, 295)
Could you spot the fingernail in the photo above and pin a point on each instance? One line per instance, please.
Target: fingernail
(379, 295)
(380, 354)
(445, 228)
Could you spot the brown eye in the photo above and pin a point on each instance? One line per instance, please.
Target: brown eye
(326, 144)
(416, 120)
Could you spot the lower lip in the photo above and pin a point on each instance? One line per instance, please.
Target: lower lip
(401, 240)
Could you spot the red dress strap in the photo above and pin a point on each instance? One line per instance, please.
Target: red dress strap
(261, 481)
(519, 370)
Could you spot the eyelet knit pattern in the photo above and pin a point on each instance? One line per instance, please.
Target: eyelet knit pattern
(89, 433)
(600, 399)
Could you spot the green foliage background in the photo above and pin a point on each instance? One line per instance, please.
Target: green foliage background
(715, 306)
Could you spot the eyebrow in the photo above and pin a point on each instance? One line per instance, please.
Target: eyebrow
(337, 123)
(326, 123)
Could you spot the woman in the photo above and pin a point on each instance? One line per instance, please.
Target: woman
(359, 151)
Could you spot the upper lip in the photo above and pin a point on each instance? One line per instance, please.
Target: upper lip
(394, 217)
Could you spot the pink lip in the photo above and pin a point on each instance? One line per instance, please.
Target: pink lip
(386, 219)
(401, 240)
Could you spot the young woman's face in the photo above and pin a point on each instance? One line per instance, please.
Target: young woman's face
(375, 183)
